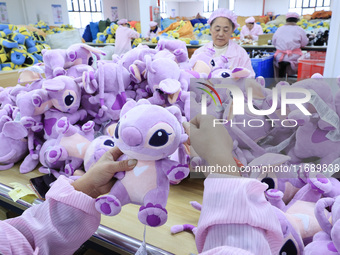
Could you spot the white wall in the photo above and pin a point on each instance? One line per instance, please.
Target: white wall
(107, 4)
(132, 10)
(277, 7)
(15, 11)
(172, 5)
(249, 7)
(37, 9)
(189, 9)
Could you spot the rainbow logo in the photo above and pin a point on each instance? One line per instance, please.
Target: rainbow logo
(208, 92)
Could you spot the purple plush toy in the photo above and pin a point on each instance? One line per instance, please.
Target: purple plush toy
(148, 133)
(58, 60)
(13, 143)
(327, 241)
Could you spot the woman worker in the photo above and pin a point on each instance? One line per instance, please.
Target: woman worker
(124, 34)
(251, 30)
(154, 30)
(288, 41)
(222, 24)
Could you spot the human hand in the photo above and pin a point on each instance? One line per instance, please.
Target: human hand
(98, 180)
(213, 144)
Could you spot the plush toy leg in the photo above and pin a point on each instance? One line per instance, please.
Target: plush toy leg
(57, 153)
(153, 213)
(111, 204)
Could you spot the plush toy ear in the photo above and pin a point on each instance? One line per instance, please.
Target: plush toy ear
(95, 51)
(143, 101)
(53, 85)
(14, 130)
(176, 112)
(240, 72)
(148, 61)
(27, 76)
(261, 81)
(127, 107)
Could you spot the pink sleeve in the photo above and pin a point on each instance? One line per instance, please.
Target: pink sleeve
(304, 38)
(60, 225)
(245, 62)
(243, 32)
(230, 202)
(258, 31)
(133, 33)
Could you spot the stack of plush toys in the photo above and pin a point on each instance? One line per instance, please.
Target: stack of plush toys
(84, 106)
(20, 47)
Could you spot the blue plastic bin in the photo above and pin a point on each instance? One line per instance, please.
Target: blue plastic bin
(263, 66)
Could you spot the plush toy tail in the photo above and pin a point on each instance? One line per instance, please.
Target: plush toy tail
(186, 227)
(196, 205)
(320, 214)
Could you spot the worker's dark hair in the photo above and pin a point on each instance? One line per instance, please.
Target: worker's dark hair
(232, 24)
(292, 20)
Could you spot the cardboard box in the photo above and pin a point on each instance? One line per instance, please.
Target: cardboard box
(263, 39)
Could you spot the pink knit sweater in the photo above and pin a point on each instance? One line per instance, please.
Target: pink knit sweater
(60, 225)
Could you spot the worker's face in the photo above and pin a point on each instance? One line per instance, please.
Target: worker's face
(153, 28)
(250, 26)
(221, 31)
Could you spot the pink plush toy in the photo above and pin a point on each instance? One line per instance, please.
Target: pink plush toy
(148, 133)
(58, 60)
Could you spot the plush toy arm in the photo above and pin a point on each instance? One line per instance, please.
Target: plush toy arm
(175, 171)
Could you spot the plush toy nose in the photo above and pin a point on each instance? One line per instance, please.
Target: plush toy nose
(131, 136)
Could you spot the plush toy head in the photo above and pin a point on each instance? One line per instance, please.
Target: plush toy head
(82, 54)
(64, 92)
(96, 149)
(148, 132)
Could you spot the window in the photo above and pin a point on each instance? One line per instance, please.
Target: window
(209, 6)
(303, 7)
(82, 12)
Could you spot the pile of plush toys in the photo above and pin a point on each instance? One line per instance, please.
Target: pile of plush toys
(108, 36)
(138, 101)
(42, 25)
(20, 47)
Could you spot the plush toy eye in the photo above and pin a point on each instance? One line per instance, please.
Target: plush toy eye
(212, 62)
(225, 75)
(90, 62)
(159, 138)
(109, 142)
(270, 182)
(69, 99)
(288, 248)
(116, 131)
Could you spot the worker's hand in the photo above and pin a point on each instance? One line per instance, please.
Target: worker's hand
(147, 39)
(213, 144)
(98, 180)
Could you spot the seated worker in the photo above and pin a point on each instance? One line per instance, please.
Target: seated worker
(124, 34)
(222, 24)
(154, 30)
(251, 30)
(288, 41)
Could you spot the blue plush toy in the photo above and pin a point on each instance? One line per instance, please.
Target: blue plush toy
(18, 55)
